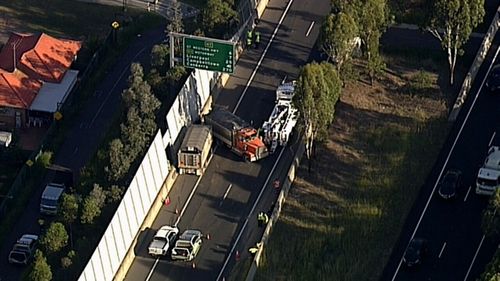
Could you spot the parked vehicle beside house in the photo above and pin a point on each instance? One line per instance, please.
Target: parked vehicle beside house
(236, 134)
(195, 150)
(51, 197)
(23, 250)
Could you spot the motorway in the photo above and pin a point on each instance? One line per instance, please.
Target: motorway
(224, 201)
(457, 248)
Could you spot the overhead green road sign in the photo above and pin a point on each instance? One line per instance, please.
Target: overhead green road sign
(209, 54)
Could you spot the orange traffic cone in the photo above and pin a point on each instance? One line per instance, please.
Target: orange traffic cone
(167, 201)
(237, 255)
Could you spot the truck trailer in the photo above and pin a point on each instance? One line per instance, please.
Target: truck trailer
(237, 134)
(195, 150)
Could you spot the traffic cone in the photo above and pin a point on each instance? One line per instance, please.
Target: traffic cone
(176, 211)
(167, 201)
(208, 236)
(237, 255)
(193, 265)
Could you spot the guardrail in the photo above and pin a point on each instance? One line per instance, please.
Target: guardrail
(277, 209)
(478, 61)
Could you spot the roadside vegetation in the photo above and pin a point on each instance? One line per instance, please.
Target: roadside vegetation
(68, 241)
(347, 211)
(491, 228)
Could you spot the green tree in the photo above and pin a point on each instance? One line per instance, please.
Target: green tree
(217, 15)
(119, 160)
(452, 22)
(160, 56)
(175, 24)
(492, 271)
(45, 159)
(69, 208)
(40, 270)
(316, 93)
(338, 37)
(491, 216)
(55, 238)
(93, 204)
(373, 18)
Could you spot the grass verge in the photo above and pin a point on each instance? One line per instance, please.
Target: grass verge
(341, 221)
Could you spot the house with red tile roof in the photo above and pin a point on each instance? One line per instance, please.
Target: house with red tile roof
(35, 77)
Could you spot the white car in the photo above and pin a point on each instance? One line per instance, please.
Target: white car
(164, 237)
(24, 249)
(188, 245)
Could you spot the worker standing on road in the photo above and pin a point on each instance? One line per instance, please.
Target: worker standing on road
(262, 219)
(257, 39)
(249, 38)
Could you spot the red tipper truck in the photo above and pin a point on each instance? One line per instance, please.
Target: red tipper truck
(237, 134)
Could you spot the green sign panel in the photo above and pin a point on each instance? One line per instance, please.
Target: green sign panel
(208, 54)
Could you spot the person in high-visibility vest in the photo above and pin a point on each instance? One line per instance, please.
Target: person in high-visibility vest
(257, 39)
(249, 38)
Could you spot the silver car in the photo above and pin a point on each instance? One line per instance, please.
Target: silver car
(187, 246)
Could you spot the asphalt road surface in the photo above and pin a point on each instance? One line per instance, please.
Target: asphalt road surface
(82, 140)
(226, 199)
(457, 248)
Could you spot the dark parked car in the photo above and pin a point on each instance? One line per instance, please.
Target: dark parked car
(415, 251)
(449, 184)
(493, 82)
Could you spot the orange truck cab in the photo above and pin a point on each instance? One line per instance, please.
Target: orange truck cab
(236, 134)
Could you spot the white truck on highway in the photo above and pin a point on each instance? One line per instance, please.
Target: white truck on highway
(278, 128)
(488, 178)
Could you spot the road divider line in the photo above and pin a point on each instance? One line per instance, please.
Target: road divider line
(491, 140)
(151, 272)
(442, 249)
(263, 55)
(447, 159)
(227, 192)
(310, 28)
(230, 255)
(474, 258)
(466, 195)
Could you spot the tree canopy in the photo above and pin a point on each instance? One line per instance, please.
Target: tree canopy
(41, 270)
(452, 22)
(316, 93)
(55, 238)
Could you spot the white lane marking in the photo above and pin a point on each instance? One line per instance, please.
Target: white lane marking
(112, 88)
(442, 249)
(310, 28)
(474, 259)
(249, 214)
(154, 266)
(470, 187)
(227, 192)
(262, 56)
(491, 140)
(181, 213)
(448, 158)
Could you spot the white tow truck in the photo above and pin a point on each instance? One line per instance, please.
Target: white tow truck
(278, 128)
(488, 178)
